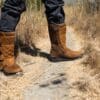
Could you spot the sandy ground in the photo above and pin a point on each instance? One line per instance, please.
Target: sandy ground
(45, 80)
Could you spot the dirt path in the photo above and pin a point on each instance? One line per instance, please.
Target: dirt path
(45, 80)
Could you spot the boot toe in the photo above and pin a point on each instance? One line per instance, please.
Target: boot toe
(75, 55)
(14, 69)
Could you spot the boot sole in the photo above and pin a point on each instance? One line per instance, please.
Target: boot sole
(14, 74)
(9, 74)
(61, 59)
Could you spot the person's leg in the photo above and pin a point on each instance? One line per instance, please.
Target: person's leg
(10, 16)
(54, 11)
(57, 31)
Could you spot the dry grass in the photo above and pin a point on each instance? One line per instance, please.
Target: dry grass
(33, 27)
(88, 26)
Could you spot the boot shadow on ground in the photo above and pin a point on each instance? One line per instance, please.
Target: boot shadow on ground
(36, 52)
(30, 50)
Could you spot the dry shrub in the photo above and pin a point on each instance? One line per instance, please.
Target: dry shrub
(88, 26)
(92, 59)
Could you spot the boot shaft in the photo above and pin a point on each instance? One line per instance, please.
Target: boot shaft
(6, 38)
(7, 45)
(57, 33)
(7, 48)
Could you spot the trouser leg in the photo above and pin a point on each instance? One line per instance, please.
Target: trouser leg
(54, 11)
(10, 14)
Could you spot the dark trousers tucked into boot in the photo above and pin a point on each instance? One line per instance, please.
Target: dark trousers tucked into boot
(59, 50)
(7, 58)
(12, 10)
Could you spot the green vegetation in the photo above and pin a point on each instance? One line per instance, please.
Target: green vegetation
(1, 3)
(31, 4)
(34, 4)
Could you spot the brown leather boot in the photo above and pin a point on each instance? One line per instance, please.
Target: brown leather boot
(9, 65)
(59, 51)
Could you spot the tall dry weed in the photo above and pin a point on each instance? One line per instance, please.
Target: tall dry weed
(87, 24)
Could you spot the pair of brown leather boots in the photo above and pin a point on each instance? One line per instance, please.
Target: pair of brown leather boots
(59, 51)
